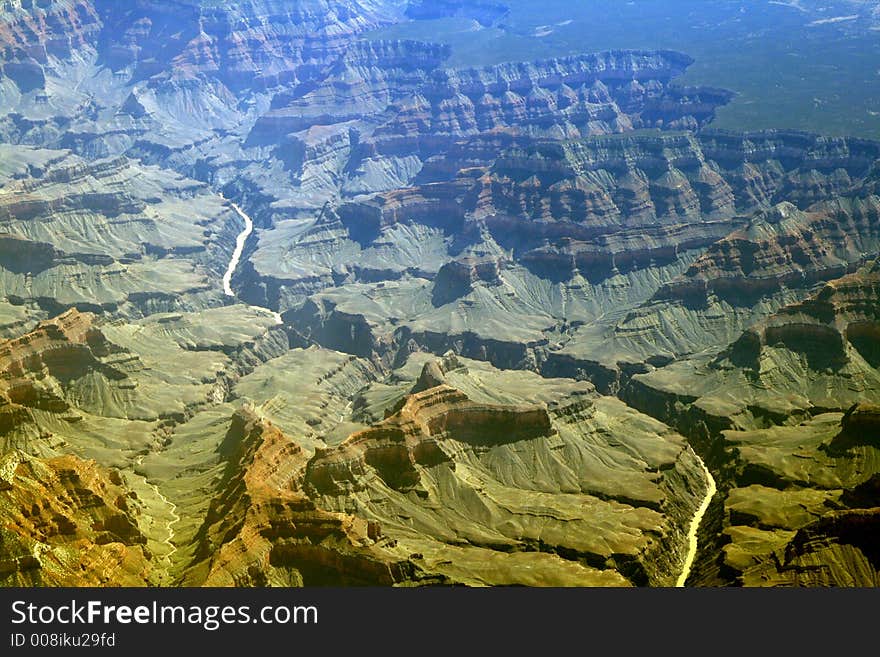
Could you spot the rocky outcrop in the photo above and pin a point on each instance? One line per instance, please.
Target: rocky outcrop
(70, 522)
(562, 98)
(33, 34)
(605, 205)
(261, 529)
(361, 82)
(797, 361)
(672, 178)
(839, 549)
(434, 205)
(788, 415)
(76, 372)
(251, 44)
(777, 259)
(830, 328)
(862, 421)
(859, 427)
(780, 247)
(475, 483)
(413, 437)
(391, 107)
(604, 256)
(456, 279)
(35, 367)
(59, 347)
(434, 372)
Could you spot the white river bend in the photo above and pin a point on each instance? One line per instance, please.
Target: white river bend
(695, 526)
(239, 249)
(236, 256)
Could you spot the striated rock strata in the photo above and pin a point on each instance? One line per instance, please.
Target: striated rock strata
(262, 530)
(70, 522)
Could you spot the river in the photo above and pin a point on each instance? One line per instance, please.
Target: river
(236, 257)
(239, 249)
(695, 526)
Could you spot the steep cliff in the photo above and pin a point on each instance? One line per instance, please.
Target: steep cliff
(109, 234)
(36, 368)
(262, 530)
(69, 522)
(34, 34)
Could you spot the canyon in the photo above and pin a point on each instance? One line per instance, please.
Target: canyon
(282, 304)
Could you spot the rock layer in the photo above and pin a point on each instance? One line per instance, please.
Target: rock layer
(261, 530)
(70, 522)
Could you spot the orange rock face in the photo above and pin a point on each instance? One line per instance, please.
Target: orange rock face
(66, 521)
(69, 522)
(263, 530)
(56, 349)
(54, 344)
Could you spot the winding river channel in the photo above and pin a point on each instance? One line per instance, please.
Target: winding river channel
(236, 256)
(695, 526)
(239, 249)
